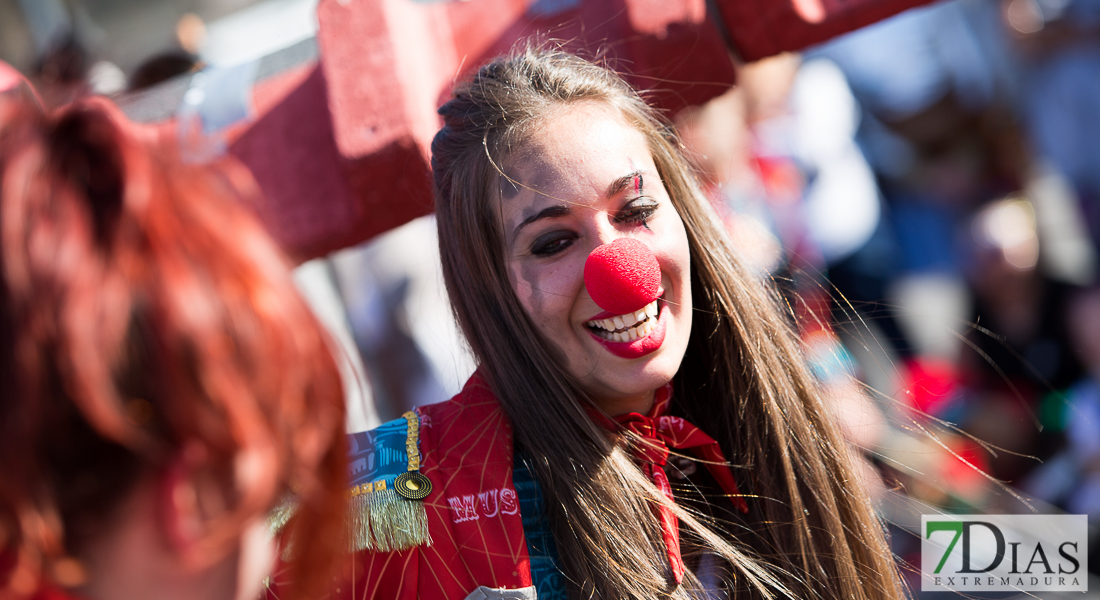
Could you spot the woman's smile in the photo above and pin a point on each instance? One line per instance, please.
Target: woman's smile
(632, 335)
(586, 179)
(626, 327)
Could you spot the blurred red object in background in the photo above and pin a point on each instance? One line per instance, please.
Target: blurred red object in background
(930, 384)
(762, 28)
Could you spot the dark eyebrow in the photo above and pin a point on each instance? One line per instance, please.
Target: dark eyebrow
(549, 212)
(620, 184)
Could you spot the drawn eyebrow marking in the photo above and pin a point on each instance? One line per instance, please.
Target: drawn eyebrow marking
(621, 183)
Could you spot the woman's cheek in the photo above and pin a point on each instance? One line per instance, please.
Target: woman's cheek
(678, 250)
(528, 282)
(547, 291)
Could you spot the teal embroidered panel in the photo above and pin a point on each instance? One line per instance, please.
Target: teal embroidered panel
(378, 454)
(545, 570)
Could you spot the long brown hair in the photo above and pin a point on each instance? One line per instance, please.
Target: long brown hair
(144, 310)
(811, 531)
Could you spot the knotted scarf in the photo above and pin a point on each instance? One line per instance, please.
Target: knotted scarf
(658, 433)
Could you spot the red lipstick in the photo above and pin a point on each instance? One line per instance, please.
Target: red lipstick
(641, 346)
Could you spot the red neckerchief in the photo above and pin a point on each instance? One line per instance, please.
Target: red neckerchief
(659, 432)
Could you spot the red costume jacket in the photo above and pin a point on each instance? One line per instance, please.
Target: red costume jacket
(474, 521)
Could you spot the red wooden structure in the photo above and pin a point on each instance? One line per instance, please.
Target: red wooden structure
(339, 143)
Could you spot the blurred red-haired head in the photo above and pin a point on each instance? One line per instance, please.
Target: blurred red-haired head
(145, 315)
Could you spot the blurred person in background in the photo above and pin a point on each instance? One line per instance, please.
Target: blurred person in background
(977, 119)
(1021, 358)
(1057, 44)
(957, 252)
(1070, 479)
(165, 388)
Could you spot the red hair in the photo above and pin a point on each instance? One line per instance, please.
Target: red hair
(142, 309)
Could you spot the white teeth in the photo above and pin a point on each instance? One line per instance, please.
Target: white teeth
(628, 327)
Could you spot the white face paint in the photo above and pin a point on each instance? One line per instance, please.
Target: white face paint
(587, 178)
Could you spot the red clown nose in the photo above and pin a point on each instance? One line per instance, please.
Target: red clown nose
(622, 276)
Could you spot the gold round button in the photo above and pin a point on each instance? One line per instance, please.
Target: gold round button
(412, 485)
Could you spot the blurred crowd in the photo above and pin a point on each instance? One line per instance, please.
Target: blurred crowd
(924, 192)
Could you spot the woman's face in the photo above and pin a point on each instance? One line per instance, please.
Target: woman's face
(587, 178)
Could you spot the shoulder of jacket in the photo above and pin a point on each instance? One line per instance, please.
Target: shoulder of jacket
(385, 498)
(386, 489)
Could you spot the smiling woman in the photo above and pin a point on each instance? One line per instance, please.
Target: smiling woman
(621, 343)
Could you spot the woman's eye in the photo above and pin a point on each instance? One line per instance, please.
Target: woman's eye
(637, 212)
(552, 243)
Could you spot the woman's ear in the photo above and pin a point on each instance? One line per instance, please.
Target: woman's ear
(194, 498)
(9, 77)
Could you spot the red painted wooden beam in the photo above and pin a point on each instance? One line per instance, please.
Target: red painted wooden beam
(762, 28)
(340, 145)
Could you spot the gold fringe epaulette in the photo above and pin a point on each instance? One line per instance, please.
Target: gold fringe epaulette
(382, 517)
(280, 516)
(388, 518)
(384, 521)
